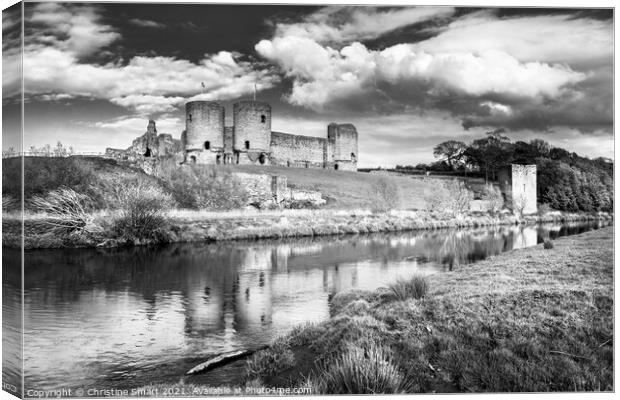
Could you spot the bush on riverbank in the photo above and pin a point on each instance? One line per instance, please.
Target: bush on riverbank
(202, 186)
(67, 210)
(527, 320)
(141, 215)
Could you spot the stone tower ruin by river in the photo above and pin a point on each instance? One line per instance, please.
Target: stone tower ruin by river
(250, 140)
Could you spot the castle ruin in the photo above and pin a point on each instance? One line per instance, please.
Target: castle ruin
(518, 185)
(150, 144)
(250, 140)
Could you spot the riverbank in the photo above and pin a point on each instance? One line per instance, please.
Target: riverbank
(179, 226)
(533, 320)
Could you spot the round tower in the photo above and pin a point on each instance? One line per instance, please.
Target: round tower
(204, 126)
(252, 121)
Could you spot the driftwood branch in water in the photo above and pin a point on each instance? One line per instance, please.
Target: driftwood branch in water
(222, 359)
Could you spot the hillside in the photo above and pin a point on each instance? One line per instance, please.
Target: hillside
(346, 189)
(343, 189)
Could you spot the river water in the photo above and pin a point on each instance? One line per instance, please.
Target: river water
(125, 317)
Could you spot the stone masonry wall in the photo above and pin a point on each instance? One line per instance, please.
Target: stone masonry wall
(297, 151)
(266, 189)
(518, 185)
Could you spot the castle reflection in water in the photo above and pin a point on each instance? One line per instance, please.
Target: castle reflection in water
(94, 313)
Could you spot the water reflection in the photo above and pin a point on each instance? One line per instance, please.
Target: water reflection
(11, 322)
(114, 316)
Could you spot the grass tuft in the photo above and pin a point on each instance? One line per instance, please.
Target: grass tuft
(548, 244)
(404, 289)
(271, 361)
(361, 371)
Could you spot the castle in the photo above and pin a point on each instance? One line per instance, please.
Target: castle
(207, 140)
(250, 140)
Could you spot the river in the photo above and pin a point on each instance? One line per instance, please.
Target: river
(113, 318)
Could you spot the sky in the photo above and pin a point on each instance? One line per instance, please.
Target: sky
(406, 77)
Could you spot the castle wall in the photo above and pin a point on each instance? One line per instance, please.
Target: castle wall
(204, 123)
(264, 188)
(297, 151)
(252, 125)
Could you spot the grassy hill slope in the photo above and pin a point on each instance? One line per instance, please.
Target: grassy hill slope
(346, 189)
(343, 189)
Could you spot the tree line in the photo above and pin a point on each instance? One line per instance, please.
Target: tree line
(565, 180)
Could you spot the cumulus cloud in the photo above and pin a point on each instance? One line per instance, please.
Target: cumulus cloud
(76, 29)
(520, 72)
(543, 38)
(322, 73)
(60, 38)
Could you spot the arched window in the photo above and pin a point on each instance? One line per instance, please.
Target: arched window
(261, 158)
(207, 145)
(190, 117)
(192, 159)
(147, 153)
(263, 118)
(336, 166)
(247, 144)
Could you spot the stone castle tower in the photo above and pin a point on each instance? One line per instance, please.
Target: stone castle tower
(518, 185)
(206, 139)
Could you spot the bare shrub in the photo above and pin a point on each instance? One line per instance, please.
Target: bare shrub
(115, 194)
(141, 213)
(437, 198)
(403, 289)
(66, 209)
(360, 370)
(202, 186)
(460, 196)
(493, 195)
(519, 204)
(386, 195)
(453, 196)
(548, 244)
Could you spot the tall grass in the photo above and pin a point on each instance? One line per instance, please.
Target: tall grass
(404, 289)
(141, 214)
(65, 209)
(359, 370)
(268, 362)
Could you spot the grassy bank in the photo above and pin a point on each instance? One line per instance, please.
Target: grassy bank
(101, 229)
(533, 319)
